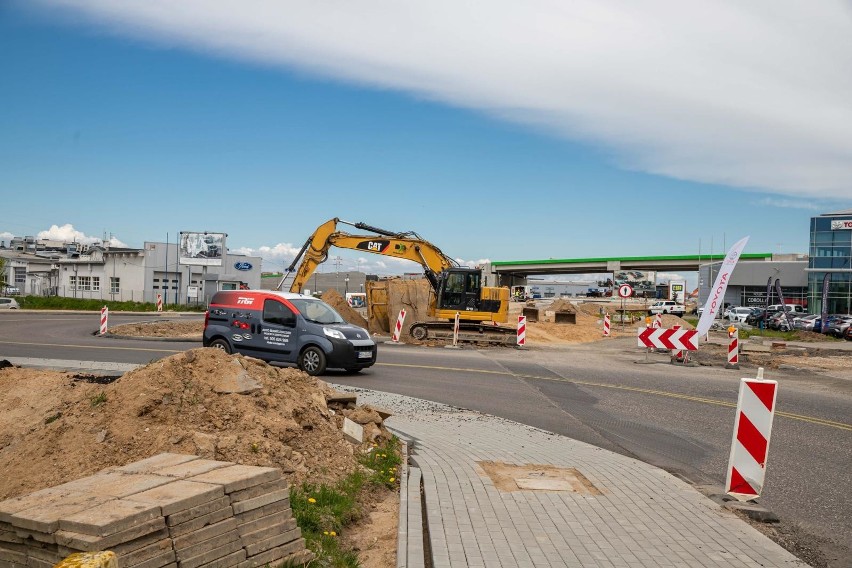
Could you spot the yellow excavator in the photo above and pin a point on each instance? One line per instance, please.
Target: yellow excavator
(455, 288)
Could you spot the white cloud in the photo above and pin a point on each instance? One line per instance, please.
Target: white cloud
(6, 235)
(788, 204)
(663, 277)
(752, 94)
(68, 234)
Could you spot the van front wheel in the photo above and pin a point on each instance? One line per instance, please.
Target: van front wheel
(312, 361)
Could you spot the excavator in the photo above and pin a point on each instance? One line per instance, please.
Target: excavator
(455, 289)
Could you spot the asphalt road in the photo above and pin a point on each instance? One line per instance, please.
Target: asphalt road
(677, 418)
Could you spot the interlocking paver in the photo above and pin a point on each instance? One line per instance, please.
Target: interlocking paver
(645, 516)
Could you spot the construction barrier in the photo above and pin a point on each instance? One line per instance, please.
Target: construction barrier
(522, 331)
(733, 348)
(750, 443)
(397, 330)
(104, 319)
(606, 325)
(679, 355)
(658, 321)
(159, 302)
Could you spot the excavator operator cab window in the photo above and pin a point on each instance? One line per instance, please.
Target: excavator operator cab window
(461, 291)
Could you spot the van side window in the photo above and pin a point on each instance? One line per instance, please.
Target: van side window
(276, 312)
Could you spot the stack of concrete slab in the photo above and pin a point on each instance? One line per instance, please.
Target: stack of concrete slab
(170, 510)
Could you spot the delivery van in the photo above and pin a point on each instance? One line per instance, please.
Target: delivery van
(285, 327)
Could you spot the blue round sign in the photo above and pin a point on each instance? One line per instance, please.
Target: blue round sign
(242, 265)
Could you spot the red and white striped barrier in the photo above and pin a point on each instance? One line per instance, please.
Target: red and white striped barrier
(678, 355)
(104, 319)
(658, 321)
(750, 444)
(522, 331)
(397, 330)
(159, 302)
(668, 338)
(606, 325)
(734, 350)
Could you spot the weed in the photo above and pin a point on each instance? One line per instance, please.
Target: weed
(98, 399)
(255, 447)
(323, 512)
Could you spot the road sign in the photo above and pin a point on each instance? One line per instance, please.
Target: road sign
(663, 338)
(750, 444)
(625, 290)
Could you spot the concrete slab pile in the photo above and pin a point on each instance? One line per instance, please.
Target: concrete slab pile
(167, 511)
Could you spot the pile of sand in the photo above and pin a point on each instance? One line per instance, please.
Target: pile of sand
(57, 427)
(385, 299)
(333, 298)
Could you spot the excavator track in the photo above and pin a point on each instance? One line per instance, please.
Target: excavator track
(471, 332)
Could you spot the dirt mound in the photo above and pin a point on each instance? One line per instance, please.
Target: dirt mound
(56, 426)
(176, 329)
(562, 306)
(387, 297)
(341, 306)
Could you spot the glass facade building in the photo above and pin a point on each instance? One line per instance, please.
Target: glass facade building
(831, 254)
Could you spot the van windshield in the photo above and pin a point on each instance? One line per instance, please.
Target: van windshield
(317, 311)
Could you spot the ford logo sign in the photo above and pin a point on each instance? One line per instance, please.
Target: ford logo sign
(242, 265)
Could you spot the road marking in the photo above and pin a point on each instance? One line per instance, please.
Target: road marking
(801, 417)
(108, 347)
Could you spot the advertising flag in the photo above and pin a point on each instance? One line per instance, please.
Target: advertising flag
(787, 313)
(768, 293)
(717, 293)
(823, 316)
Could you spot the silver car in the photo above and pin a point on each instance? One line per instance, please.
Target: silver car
(9, 304)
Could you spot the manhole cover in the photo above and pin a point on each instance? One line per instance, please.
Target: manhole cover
(537, 477)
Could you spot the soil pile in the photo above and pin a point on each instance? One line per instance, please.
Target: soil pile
(387, 297)
(176, 329)
(56, 427)
(341, 306)
(562, 306)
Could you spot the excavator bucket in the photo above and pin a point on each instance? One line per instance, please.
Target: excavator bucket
(377, 306)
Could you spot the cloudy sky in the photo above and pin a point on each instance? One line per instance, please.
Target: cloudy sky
(498, 130)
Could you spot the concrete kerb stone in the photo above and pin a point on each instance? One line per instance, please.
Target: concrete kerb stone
(237, 477)
(191, 468)
(188, 545)
(89, 543)
(402, 524)
(212, 554)
(154, 463)
(45, 518)
(201, 522)
(187, 515)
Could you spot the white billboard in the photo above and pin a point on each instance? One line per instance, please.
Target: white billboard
(643, 282)
(204, 249)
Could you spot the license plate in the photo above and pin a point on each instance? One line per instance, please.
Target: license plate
(364, 354)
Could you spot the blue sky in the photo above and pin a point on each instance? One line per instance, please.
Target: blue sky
(535, 130)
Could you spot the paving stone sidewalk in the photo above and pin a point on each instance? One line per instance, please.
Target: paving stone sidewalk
(625, 513)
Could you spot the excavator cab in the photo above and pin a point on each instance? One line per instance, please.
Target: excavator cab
(460, 289)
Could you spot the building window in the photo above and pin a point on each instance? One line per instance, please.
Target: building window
(114, 285)
(72, 282)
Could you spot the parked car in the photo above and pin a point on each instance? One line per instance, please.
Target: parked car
(817, 327)
(805, 323)
(9, 304)
(847, 335)
(839, 325)
(778, 321)
(756, 316)
(12, 291)
(738, 314)
(667, 307)
(795, 308)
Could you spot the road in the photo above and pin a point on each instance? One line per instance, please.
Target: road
(680, 419)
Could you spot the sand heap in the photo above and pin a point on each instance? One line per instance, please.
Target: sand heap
(56, 427)
(341, 306)
(385, 299)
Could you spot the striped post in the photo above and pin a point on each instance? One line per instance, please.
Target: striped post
(678, 355)
(159, 302)
(750, 443)
(658, 321)
(397, 330)
(104, 319)
(733, 349)
(456, 331)
(606, 325)
(522, 331)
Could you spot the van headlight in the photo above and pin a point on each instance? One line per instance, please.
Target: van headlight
(335, 333)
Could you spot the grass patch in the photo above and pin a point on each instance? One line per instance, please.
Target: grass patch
(98, 399)
(323, 512)
(61, 303)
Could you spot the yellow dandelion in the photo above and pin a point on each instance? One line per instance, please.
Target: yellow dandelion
(332, 533)
(311, 500)
(392, 479)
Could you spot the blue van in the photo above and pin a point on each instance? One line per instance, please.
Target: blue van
(288, 328)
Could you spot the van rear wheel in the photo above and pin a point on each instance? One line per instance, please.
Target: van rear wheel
(312, 361)
(221, 345)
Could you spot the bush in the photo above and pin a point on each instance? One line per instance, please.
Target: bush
(62, 303)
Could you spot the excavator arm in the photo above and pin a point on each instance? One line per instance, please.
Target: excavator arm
(408, 246)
